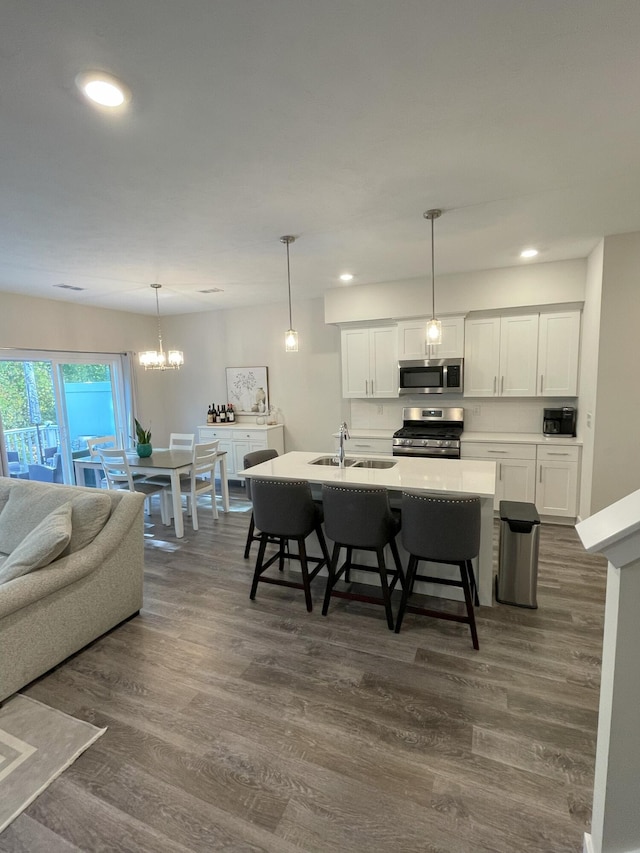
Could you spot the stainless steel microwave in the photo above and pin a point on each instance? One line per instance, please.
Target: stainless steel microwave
(431, 376)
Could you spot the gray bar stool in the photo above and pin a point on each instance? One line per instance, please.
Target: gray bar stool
(285, 510)
(440, 529)
(251, 459)
(360, 517)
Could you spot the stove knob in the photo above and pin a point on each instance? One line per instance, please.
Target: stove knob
(425, 442)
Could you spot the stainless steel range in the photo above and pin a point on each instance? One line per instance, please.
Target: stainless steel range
(429, 433)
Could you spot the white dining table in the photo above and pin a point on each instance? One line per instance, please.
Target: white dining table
(162, 461)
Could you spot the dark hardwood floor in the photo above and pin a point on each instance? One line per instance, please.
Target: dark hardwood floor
(243, 726)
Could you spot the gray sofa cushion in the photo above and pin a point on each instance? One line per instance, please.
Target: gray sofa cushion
(29, 504)
(41, 546)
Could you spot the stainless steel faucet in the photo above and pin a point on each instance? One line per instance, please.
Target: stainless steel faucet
(344, 433)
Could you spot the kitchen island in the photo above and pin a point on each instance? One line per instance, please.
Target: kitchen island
(446, 476)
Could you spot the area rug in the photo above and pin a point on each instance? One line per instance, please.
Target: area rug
(36, 744)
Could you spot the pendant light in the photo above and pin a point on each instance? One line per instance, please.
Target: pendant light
(291, 337)
(434, 327)
(158, 359)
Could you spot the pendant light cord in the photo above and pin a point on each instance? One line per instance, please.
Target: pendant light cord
(433, 277)
(157, 288)
(289, 284)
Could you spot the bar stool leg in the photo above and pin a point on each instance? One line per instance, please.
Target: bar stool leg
(302, 551)
(347, 571)
(258, 569)
(407, 590)
(399, 570)
(247, 547)
(386, 595)
(331, 580)
(323, 546)
(464, 569)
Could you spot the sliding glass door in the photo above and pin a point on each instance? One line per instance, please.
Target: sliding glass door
(51, 405)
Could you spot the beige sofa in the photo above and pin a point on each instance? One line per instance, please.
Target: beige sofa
(53, 611)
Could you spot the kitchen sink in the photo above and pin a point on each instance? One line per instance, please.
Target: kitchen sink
(375, 463)
(355, 463)
(331, 460)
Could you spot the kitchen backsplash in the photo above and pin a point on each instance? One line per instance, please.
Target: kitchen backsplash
(484, 415)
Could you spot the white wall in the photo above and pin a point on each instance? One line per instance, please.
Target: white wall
(588, 384)
(304, 385)
(616, 449)
(482, 290)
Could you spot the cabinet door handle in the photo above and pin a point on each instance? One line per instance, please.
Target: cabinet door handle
(497, 451)
(362, 445)
(372, 387)
(541, 382)
(540, 477)
(366, 387)
(556, 453)
(494, 385)
(502, 385)
(499, 470)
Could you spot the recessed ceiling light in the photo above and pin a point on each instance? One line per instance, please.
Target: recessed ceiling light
(69, 287)
(103, 89)
(528, 253)
(346, 276)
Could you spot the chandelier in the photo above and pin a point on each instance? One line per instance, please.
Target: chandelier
(158, 359)
(434, 326)
(291, 336)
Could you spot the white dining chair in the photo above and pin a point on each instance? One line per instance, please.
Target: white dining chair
(177, 441)
(181, 441)
(200, 481)
(93, 445)
(118, 476)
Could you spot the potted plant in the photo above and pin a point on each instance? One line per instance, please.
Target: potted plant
(143, 437)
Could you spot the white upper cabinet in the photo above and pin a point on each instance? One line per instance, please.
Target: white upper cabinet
(412, 342)
(481, 357)
(518, 356)
(369, 362)
(558, 353)
(530, 355)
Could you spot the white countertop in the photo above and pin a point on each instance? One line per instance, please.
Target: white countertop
(369, 433)
(511, 437)
(519, 437)
(245, 425)
(458, 476)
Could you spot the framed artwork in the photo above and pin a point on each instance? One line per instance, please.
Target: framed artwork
(248, 390)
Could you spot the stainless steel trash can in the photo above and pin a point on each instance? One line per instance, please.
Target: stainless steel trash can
(517, 580)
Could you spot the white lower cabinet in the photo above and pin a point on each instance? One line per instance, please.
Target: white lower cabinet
(557, 480)
(515, 468)
(239, 440)
(546, 475)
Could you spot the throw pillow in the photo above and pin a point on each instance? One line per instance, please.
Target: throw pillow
(90, 514)
(30, 502)
(41, 546)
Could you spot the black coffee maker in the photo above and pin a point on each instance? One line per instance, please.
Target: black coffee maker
(559, 421)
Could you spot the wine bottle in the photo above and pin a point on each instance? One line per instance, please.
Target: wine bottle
(218, 416)
(210, 414)
(231, 415)
(223, 414)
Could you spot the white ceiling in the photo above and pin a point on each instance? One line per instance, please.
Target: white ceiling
(338, 121)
